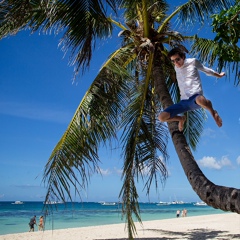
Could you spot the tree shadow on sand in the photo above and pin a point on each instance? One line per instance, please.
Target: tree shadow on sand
(193, 234)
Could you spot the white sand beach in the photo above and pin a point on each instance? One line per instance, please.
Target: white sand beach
(219, 226)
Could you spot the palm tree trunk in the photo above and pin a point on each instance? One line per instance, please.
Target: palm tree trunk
(220, 197)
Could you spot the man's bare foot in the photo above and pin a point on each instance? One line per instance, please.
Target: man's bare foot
(181, 123)
(217, 119)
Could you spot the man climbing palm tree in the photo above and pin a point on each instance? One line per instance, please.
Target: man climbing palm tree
(190, 87)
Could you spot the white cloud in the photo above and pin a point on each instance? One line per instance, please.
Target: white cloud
(208, 132)
(238, 160)
(118, 171)
(213, 163)
(105, 172)
(225, 161)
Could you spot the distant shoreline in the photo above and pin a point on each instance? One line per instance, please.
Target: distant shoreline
(222, 226)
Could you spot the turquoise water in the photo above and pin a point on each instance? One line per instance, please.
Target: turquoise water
(14, 218)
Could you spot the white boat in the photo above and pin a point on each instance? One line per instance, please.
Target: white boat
(18, 202)
(177, 202)
(52, 202)
(163, 203)
(108, 203)
(200, 204)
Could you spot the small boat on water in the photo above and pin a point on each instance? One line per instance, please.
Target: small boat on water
(108, 203)
(177, 202)
(200, 204)
(163, 203)
(52, 202)
(18, 202)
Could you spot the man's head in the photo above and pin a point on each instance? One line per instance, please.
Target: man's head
(177, 57)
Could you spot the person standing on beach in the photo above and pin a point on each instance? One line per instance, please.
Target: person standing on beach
(178, 213)
(41, 224)
(185, 212)
(182, 214)
(190, 86)
(31, 223)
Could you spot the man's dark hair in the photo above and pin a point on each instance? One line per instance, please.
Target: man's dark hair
(178, 51)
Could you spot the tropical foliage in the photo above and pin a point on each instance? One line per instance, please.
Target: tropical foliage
(226, 24)
(134, 84)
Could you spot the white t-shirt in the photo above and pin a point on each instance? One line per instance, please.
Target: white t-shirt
(188, 77)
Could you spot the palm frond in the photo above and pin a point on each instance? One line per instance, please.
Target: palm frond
(18, 15)
(124, 56)
(143, 138)
(129, 201)
(133, 9)
(83, 22)
(141, 155)
(197, 11)
(194, 126)
(173, 37)
(204, 49)
(153, 139)
(143, 142)
(95, 121)
(174, 91)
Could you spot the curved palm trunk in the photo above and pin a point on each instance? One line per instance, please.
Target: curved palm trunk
(224, 198)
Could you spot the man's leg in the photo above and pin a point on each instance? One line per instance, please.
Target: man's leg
(165, 117)
(206, 104)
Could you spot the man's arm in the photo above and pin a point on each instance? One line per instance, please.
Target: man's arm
(207, 70)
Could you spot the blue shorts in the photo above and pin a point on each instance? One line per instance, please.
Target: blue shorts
(183, 106)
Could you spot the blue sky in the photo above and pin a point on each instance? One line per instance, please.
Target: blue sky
(38, 99)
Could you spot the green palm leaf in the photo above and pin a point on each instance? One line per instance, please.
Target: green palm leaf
(94, 122)
(143, 141)
(143, 138)
(194, 127)
(197, 11)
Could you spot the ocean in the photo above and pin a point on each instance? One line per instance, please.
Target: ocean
(14, 218)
